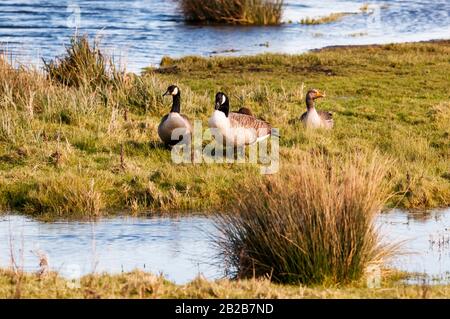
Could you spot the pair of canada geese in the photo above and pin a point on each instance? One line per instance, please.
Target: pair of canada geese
(236, 128)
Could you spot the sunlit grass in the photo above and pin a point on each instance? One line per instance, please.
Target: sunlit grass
(393, 98)
(138, 284)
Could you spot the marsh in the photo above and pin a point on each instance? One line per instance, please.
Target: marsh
(87, 186)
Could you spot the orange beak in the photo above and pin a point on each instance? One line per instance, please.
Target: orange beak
(320, 94)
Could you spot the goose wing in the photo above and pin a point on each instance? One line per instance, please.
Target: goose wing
(303, 117)
(188, 122)
(170, 122)
(238, 120)
(245, 110)
(327, 118)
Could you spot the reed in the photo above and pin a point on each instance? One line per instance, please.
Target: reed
(311, 225)
(247, 12)
(326, 19)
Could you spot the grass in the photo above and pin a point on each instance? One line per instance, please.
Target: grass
(333, 17)
(96, 146)
(311, 224)
(244, 12)
(83, 65)
(137, 284)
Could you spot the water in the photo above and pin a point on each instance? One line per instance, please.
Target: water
(426, 243)
(181, 247)
(140, 32)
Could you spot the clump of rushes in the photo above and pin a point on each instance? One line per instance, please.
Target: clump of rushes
(246, 12)
(82, 65)
(312, 224)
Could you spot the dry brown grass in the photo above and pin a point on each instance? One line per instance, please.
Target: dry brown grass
(138, 284)
(326, 19)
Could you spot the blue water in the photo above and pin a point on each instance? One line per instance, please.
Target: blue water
(182, 248)
(140, 32)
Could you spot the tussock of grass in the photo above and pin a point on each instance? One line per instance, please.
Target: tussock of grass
(326, 19)
(83, 64)
(248, 12)
(138, 284)
(311, 224)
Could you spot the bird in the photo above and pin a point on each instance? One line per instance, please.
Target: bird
(245, 110)
(313, 118)
(237, 129)
(174, 120)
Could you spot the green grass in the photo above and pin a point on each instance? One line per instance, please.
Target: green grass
(60, 145)
(244, 12)
(137, 284)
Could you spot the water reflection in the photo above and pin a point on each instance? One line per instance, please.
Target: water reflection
(181, 247)
(177, 247)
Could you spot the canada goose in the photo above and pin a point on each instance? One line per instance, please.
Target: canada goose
(315, 119)
(237, 128)
(174, 120)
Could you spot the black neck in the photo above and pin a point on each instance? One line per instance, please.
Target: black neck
(309, 102)
(225, 108)
(176, 103)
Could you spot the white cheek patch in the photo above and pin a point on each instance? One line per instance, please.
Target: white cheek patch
(175, 91)
(223, 99)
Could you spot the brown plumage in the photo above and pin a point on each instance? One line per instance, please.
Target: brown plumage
(237, 128)
(245, 110)
(238, 120)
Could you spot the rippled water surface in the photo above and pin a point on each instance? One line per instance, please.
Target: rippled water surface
(181, 247)
(140, 32)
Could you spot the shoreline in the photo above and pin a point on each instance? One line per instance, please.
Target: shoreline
(142, 285)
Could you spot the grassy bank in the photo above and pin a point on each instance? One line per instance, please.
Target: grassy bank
(89, 149)
(144, 285)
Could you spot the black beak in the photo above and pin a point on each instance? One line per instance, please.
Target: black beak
(167, 93)
(217, 105)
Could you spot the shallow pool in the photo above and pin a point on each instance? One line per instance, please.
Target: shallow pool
(181, 247)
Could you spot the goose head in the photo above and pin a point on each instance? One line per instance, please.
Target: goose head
(313, 95)
(222, 103)
(176, 98)
(172, 90)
